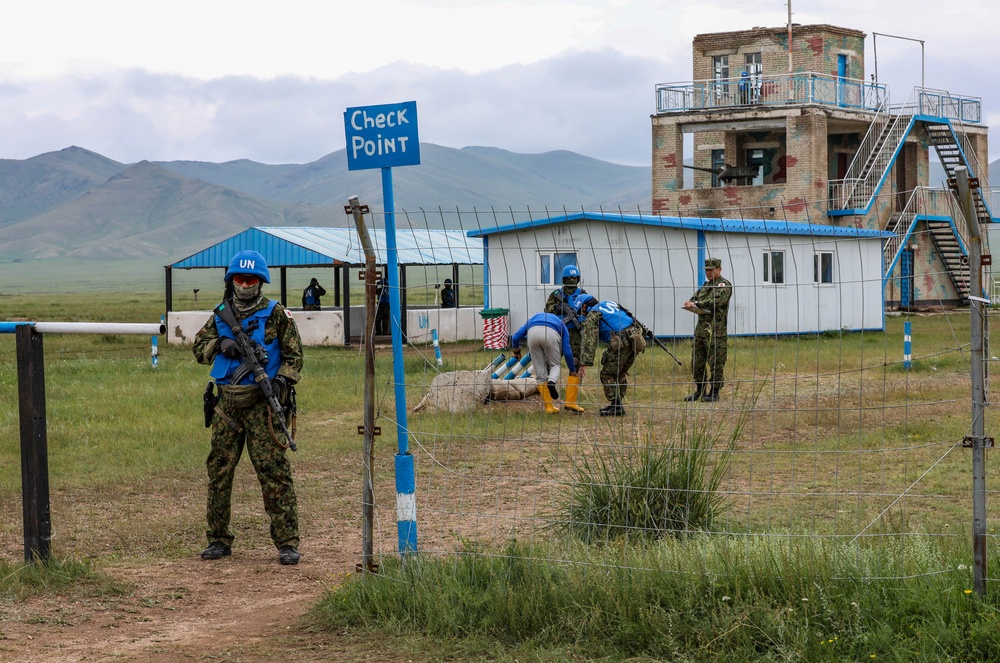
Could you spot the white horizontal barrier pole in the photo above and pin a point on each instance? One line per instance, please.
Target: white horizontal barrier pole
(86, 327)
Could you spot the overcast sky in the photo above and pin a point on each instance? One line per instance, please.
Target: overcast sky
(216, 80)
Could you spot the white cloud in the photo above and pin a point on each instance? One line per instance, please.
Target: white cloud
(223, 80)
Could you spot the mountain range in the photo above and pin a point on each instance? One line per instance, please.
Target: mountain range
(79, 204)
(76, 203)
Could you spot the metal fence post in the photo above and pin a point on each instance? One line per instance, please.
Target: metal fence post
(978, 440)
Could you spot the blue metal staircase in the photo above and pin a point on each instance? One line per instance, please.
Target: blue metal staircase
(872, 164)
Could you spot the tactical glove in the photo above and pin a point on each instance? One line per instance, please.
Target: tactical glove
(229, 348)
(279, 386)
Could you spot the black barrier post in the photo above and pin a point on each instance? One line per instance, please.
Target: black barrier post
(34, 444)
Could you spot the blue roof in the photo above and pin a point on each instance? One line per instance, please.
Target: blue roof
(310, 247)
(754, 226)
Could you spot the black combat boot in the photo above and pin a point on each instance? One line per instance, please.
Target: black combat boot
(613, 409)
(216, 550)
(288, 555)
(711, 396)
(693, 397)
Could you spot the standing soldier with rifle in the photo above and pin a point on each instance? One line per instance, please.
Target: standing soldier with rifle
(711, 340)
(255, 350)
(565, 303)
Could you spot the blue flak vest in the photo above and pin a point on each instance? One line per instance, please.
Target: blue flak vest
(613, 320)
(310, 297)
(223, 366)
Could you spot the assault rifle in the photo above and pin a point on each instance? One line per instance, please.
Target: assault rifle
(648, 333)
(566, 311)
(254, 359)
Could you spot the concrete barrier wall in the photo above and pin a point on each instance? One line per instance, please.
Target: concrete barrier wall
(327, 327)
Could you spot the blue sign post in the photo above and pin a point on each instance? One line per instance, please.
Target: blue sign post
(382, 137)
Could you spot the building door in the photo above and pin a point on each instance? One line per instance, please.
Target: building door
(842, 163)
(906, 279)
(755, 157)
(754, 68)
(720, 78)
(718, 163)
(841, 75)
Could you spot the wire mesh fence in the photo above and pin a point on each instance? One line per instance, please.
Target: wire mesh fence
(821, 432)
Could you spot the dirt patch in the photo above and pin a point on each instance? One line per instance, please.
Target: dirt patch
(245, 608)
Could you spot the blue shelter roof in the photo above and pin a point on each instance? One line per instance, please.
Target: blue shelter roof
(756, 226)
(311, 247)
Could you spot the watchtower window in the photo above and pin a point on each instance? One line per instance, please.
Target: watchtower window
(720, 67)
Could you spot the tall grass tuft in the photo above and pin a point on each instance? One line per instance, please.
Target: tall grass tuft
(698, 598)
(19, 581)
(652, 491)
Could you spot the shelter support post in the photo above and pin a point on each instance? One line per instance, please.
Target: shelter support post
(168, 280)
(455, 282)
(346, 308)
(402, 300)
(282, 273)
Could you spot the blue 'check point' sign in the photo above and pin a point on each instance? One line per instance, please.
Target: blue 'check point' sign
(382, 136)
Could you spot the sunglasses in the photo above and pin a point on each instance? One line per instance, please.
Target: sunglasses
(246, 281)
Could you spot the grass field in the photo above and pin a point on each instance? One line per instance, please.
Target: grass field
(839, 441)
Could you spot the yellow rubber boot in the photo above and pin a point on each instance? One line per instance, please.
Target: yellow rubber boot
(572, 391)
(550, 407)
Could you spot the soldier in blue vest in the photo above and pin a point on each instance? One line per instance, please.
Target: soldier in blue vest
(311, 296)
(565, 303)
(548, 343)
(610, 323)
(242, 417)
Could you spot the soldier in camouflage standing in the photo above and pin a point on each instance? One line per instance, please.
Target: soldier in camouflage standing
(565, 302)
(242, 417)
(710, 337)
(609, 322)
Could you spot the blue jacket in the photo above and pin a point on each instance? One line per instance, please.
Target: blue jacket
(551, 321)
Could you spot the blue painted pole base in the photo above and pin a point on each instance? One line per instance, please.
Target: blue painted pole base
(406, 504)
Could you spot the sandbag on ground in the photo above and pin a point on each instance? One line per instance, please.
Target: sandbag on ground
(515, 389)
(456, 391)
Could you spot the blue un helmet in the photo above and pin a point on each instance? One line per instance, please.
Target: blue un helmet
(249, 262)
(570, 272)
(584, 303)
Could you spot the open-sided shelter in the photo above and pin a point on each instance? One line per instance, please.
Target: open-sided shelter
(340, 249)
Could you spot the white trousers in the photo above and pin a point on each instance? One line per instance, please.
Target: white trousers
(545, 346)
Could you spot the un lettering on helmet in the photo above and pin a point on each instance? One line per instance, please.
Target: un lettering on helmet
(249, 262)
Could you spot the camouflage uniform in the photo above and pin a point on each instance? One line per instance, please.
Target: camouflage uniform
(242, 418)
(710, 338)
(559, 303)
(624, 345)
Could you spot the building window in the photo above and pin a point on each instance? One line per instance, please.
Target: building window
(774, 267)
(720, 67)
(720, 74)
(823, 267)
(550, 266)
(718, 163)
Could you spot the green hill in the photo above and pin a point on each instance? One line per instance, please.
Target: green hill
(76, 203)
